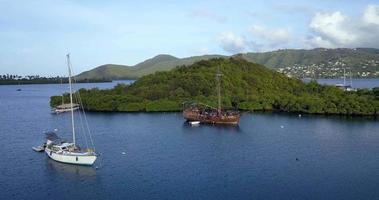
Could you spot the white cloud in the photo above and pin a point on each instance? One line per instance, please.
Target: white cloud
(232, 43)
(333, 28)
(266, 39)
(207, 14)
(318, 41)
(273, 36)
(260, 39)
(339, 30)
(371, 15)
(325, 29)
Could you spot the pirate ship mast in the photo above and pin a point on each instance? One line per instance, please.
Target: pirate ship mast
(208, 114)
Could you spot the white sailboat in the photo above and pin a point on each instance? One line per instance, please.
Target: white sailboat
(68, 152)
(344, 85)
(64, 107)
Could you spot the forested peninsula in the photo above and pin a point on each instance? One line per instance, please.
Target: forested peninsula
(245, 86)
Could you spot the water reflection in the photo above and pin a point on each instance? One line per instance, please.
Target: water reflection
(218, 127)
(67, 169)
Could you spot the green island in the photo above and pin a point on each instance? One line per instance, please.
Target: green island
(245, 86)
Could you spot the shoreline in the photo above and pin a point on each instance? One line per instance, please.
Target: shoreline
(251, 111)
(43, 82)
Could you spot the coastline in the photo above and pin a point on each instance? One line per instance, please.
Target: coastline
(295, 113)
(31, 82)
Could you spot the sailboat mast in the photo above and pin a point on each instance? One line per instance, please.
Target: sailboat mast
(344, 77)
(218, 77)
(351, 79)
(71, 106)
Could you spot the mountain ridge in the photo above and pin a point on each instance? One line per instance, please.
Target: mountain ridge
(317, 63)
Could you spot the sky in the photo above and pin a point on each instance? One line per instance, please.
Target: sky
(36, 35)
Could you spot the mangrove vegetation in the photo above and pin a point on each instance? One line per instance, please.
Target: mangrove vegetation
(245, 86)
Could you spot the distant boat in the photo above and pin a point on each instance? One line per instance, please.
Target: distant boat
(344, 86)
(68, 152)
(207, 114)
(18, 89)
(65, 107)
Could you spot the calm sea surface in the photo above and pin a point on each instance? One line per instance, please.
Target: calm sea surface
(355, 83)
(268, 156)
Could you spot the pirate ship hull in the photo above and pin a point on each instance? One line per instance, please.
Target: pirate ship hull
(209, 117)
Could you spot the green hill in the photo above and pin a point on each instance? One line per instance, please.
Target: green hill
(245, 85)
(108, 71)
(317, 63)
(158, 63)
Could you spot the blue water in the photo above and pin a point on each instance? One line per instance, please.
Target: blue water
(337, 157)
(356, 82)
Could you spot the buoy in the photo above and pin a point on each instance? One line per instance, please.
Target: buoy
(297, 159)
(281, 126)
(123, 153)
(55, 129)
(299, 115)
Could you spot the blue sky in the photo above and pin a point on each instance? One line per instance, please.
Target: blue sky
(36, 35)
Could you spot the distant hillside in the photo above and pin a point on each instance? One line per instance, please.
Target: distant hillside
(158, 63)
(317, 63)
(321, 62)
(108, 71)
(290, 57)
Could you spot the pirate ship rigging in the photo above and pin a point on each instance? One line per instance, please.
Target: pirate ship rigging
(208, 114)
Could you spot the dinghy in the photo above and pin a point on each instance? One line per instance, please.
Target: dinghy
(194, 123)
(38, 148)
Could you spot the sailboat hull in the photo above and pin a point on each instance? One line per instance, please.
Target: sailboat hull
(72, 158)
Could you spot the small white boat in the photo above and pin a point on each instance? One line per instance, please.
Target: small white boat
(65, 108)
(38, 148)
(194, 123)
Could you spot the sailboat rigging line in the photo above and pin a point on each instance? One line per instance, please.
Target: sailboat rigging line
(80, 117)
(62, 94)
(79, 100)
(81, 123)
(85, 117)
(86, 121)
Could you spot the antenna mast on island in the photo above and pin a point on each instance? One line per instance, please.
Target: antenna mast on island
(344, 77)
(218, 78)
